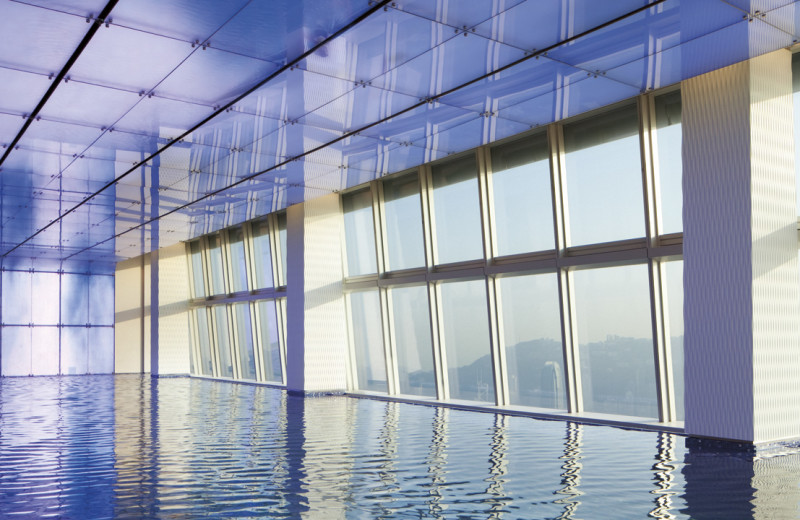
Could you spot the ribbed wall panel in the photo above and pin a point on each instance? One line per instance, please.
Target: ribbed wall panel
(173, 313)
(716, 248)
(776, 302)
(740, 252)
(317, 324)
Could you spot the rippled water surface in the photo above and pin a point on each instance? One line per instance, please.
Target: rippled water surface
(130, 447)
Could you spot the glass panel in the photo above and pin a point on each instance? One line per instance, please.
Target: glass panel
(404, 240)
(603, 165)
(17, 299)
(359, 233)
(531, 327)
(412, 337)
(465, 324)
(270, 342)
(101, 350)
(367, 336)
(616, 340)
(457, 211)
(195, 249)
(238, 265)
(215, 264)
(44, 350)
(223, 342)
(45, 311)
(674, 306)
(101, 292)
(261, 255)
(74, 300)
(16, 343)
(523, 207)
(74, 352)
(281, 218)
(670, 161)
(206, 364)
(244, 335)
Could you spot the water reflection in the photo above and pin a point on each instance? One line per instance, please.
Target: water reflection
(131, 447)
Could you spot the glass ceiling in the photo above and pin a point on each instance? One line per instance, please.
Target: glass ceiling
(175, 119)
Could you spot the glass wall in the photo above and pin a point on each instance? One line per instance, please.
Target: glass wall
(239, 334)
(556, 313)
(57, 319)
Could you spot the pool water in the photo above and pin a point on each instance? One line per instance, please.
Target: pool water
(88, 447)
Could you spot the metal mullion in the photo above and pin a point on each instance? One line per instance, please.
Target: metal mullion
(439, 353)
(249, 255)
(212, 328)
(195, 344)
(379, 219)
(352, 371)
(662, 348)
(555, 137)
(205, 261)
(649, 156)
(190, 269)
(276, 260)
(489, 248)
(498, 353)
(280, 316)
(225, 249)
(390, 352)
(233, 339)
(428, 220)
(256, 331)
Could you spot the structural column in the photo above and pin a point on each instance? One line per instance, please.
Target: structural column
(316, 336)
(741, 291)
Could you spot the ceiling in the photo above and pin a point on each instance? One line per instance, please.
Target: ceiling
(134, 124)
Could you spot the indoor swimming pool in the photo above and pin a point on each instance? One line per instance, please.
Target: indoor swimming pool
(87, 447)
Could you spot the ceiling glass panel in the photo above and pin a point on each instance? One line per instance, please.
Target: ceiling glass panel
(20, 91)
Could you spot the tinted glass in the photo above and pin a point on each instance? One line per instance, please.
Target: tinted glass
(404, 240)
(412, 337)
(457, 211)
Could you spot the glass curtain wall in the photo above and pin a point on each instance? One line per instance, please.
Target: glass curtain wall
(525, 273)
(238, 282)
(57, 319)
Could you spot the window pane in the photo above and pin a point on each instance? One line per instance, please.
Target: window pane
(457, 211)
(16, 342)
(101, 350)
(238, 265)
(17, 298)
(412, 336)
(359, 233)
(206, 364)
(101, 292)
(74, 353)
(45, 310)
(616, 340)
(223, 343)
(244, 335)
(403, 223)
(215, 264)
(270, 345)
(466, 339)
(604, 179)
(261, 255)
(674, 305)
(44, 350)
(195, 249)
(523, 207)
(532, 338)
(367, 336)
(670, 165)
(282, 242)
(74, 300)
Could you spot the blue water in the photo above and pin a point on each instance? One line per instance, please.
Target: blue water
(89, 447)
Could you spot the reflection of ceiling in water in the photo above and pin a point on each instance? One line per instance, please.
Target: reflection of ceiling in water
(135, 124)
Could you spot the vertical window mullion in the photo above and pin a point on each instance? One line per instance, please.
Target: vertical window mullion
(555, 136)
(498, 353)
(661, 350)
(280, 311)
(233, 339)
(378, 220)
(256, 331)
(352, 369)
(389, 347)
(439, 354)
(212, 330)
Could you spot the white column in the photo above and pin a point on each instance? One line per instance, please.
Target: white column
(741, 291)
(316, 337)
(172, 341)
